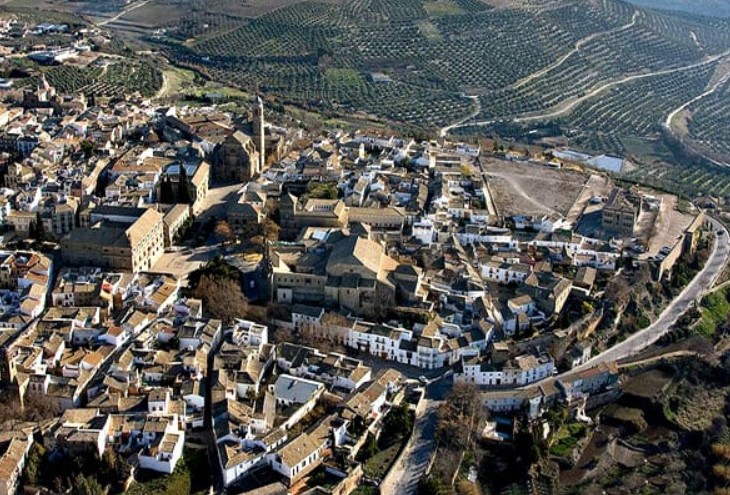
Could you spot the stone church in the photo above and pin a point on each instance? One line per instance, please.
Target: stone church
(242, 156)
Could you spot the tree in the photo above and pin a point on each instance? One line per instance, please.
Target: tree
(397, 422)
(271, 230)
(222, 297)
(223, 231)
(87, 147)
(369, 448)
(86, 485)
(618, 292)
(432, 485)
(34, 465)
(113, 467)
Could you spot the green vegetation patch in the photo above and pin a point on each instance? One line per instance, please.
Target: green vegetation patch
(715, 309)
(192, 475)
(437, 8)
(346, 77)
(567, 439)
(693, 408)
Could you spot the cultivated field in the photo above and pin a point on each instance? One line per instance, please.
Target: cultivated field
(604, 69)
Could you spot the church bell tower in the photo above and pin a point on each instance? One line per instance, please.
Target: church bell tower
(259, 133)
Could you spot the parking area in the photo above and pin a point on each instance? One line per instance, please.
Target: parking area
(664, 227)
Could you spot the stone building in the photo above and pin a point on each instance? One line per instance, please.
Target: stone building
(621, 212)
(354, 274)
(295, 215)
(235, 159)
(134, 246)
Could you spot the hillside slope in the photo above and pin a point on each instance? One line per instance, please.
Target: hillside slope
(604, 68)
(712, 8)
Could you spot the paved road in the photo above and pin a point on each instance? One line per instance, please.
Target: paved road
(694, 291)
(417, 454)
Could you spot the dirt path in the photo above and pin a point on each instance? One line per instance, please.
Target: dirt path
(164, 88)
(567, 108)
(578, 45)
(517, 187)
(477, 110)
(682, 107)
(123, 13)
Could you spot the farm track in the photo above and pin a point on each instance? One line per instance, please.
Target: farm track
(477, 110)
(578, 45)
(123, 13)
(668, 122)
(567, 107)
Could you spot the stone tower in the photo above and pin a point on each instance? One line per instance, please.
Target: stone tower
(259, 133)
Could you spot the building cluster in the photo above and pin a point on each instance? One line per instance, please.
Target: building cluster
(122, 355)
(386, 247)
(289, 408)
(117, 184)
(372, 226)
(47, 43)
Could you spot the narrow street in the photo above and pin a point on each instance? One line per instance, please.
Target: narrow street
(417, 454)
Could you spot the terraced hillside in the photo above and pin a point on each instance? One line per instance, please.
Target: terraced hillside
(603, 67)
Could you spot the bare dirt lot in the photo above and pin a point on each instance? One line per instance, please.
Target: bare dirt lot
(528, 189)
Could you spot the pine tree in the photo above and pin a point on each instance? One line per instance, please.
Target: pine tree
(40, 230)
(183, 188)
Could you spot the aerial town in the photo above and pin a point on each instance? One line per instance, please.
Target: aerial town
(184, 285)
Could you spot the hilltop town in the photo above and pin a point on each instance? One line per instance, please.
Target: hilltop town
(216, 298)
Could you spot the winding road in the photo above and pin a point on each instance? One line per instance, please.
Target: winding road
(670, 118)
(477, 110)
(720, 82)
(567, 108)
(419, 450)
(535, 75)
(694, 291)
